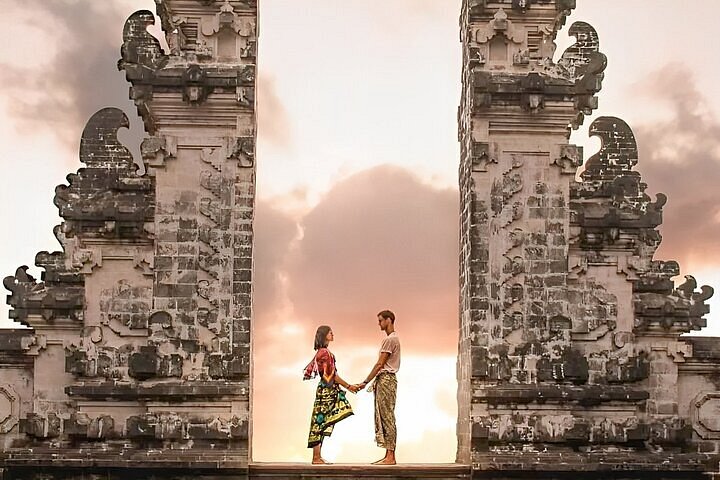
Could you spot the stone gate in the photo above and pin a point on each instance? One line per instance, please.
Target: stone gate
(137, 362)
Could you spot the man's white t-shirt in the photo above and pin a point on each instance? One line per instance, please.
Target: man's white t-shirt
(391, 345)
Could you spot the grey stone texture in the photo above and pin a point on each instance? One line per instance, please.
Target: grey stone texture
(572, 363)
(571, 357)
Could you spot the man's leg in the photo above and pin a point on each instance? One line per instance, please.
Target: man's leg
(385, 427)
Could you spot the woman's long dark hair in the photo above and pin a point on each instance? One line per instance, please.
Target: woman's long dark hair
(321, 336)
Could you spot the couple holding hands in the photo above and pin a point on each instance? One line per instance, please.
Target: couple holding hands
(331, 405)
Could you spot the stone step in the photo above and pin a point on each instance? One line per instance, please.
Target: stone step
(277, 471)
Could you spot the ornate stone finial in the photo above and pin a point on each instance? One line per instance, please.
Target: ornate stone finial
(99, 145)
(140, 49)
(585, 48)
(610, 174)
(108, 197)
(618, 145)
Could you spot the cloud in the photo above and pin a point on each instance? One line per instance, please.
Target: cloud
(680, 157)
(273, 121)
(380, 239)
(80, 78)
(274, 233)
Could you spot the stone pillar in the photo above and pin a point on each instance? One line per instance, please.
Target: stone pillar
(515, 176)
(140, 343)
(569, 329)
(198, 105)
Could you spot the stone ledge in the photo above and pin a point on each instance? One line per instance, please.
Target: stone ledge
(197, 390)
(191, 472)
(275, 471)
(175, 75)
(16, 339)
(584, 395)
(88, 459)
(704, 348)
(631, 464)
(409, 471)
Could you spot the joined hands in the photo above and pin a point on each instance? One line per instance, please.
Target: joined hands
(357, 387)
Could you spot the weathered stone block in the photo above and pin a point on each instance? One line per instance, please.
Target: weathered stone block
(144, 364)
(138, 427)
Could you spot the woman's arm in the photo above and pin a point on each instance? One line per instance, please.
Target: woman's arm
(341, 382)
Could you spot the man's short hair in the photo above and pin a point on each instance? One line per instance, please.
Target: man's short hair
(387, 314)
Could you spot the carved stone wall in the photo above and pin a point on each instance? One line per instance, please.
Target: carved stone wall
(571, 355)
(139, 349)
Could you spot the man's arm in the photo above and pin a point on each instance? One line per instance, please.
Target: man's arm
(382, 360)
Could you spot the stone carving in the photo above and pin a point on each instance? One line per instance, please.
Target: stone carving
(125, 305)
(242, 149)
(500, 25)
(9, 408)
(579, 57)
(196, 90)
(144, 262)
(570, 159)
(483, 155)
(157, 150)
(227, 18)
(87, 259)
(706, 415)
(36, 303)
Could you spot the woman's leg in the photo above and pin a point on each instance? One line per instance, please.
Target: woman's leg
(317, 457)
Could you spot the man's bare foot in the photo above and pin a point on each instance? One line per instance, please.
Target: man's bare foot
(320, 461)
(385, 461)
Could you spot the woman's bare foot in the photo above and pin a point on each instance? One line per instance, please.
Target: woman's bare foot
(320, 461)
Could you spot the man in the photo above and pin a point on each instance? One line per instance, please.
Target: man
(385, 387)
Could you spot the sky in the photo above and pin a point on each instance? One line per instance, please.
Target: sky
(357, 177)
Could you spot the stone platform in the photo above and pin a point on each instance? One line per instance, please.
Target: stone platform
(277, 471)
(548, 468)
(267, 471)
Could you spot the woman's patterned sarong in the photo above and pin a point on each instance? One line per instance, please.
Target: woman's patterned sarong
(330, 407)
(385, 389)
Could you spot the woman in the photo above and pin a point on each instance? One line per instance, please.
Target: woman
(330, 406)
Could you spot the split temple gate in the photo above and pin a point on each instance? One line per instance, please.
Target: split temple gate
(137, 362)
